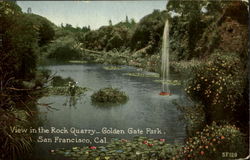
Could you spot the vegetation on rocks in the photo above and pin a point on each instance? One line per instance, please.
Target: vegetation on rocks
(109, 95)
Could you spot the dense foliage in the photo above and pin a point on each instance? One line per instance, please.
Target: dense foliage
(70, 28)
(148, 32)
(213, 142)
(21, 36)
(108, 37)
(19, 41)
(197, 28)
(144, 37)
(220, 84)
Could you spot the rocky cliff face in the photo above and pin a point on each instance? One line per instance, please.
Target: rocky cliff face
(223, 28)
(233, 36)
(233, 27)
(229, 33)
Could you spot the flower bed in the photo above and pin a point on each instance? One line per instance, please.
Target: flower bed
(212, 142)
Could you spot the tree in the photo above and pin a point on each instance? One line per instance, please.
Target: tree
(110, 22)
(20, 42)
(149, 31)
(132, 21)
(85, 29)
(29, 10)
(46, 33)
(188, 28)
(127, 21)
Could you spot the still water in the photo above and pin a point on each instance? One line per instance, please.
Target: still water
(144, 109)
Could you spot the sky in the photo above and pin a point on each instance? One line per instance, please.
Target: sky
(93, 13)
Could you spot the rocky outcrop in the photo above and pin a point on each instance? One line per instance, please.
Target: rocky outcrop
(233, 28)
(227, 33)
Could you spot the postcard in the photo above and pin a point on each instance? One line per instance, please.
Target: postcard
(124, 80)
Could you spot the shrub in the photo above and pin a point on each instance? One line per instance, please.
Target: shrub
(65, 53)
(212, 142)
(219, 85)
(109, 95)
(194, 116)
(14, 145)
(64, 91)
(59, 81)
(64, 48)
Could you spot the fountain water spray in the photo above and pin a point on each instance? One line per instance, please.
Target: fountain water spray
(165, 61)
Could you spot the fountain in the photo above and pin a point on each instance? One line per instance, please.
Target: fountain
(165, 61)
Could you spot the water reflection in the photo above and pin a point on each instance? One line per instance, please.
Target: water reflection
(70, 101)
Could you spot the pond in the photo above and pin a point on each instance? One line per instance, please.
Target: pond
(145, 108)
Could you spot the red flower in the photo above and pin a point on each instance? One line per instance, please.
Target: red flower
(150, 144)
(92, 147)
(202, 152)
(162, 140)
(145, 142)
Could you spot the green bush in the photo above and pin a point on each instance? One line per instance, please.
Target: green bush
(194, 116)
(212, 142)
(107, 37)
(113, 57)
(64, 91)
(64, 48)
(59, 81)
(219, 85)
(109, 95)
(64, 53)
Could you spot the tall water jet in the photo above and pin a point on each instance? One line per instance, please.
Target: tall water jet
(165, 61)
